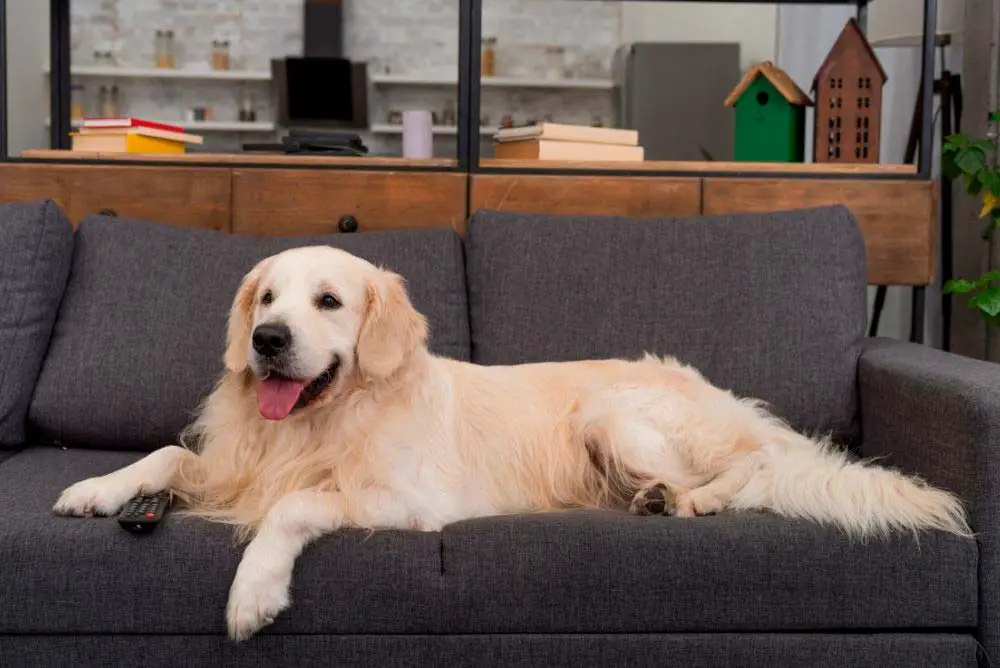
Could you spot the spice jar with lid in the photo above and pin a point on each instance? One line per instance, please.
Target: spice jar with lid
(220, 54)
(554, 62)
(489, 57)
(77, 108)
(108, 101)
(170, 49)
(164, 49)
(160, 50)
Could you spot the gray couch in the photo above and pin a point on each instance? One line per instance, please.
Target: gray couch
(111, 334)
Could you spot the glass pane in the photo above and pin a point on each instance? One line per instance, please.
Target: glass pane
(246, 76)
(701, 86)
(547, 61)
(27, 80)
(412, 53)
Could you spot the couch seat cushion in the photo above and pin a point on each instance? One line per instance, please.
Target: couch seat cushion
(36, 246)
(140, 335)
(594, 571)
(771, 305)
(577, 572)
(75, 575)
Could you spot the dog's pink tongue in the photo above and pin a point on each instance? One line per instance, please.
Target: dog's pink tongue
(276, 397)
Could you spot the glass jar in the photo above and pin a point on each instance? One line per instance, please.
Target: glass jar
(164, 49)
(77, 108)
(489, 57)
(220, 54)
(555, 65)
(160, 50)
(247, 112)
(449, 115)
(108, 101)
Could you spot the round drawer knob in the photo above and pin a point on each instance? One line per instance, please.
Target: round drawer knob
(347, 224)
(108, 212)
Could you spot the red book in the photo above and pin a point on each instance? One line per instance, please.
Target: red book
(129, 122)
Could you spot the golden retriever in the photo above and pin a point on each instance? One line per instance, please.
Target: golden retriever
(333, 413)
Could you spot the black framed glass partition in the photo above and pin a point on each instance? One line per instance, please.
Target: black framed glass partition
(229, 79)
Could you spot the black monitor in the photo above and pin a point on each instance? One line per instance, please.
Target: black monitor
(320, 91)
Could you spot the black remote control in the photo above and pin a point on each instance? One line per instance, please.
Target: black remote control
(143, 513)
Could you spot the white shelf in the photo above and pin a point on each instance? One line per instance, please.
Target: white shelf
(212, 126)
(205, 73)
(397, 129)
(228, 126)
(492, 82)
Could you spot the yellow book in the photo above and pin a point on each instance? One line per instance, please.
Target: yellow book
(126, 142)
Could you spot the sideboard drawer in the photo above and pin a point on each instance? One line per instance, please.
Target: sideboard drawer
(184, 196)
(631, 196)
(25, 183)
(320, 201)
(897, 218)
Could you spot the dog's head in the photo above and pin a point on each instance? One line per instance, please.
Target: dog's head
(312, 322)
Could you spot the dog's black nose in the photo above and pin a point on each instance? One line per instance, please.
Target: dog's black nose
(271, 340)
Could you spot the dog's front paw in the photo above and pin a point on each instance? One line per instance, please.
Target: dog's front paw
(258, 594)
(103, 496)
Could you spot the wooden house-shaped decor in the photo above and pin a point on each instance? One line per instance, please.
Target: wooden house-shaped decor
(770, 116)
(848, 93)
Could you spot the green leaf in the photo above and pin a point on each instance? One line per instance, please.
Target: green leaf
(988, 278)
(970, 160)
(984, 145)
(958, 286)
(995, 116)
(949, 169)
(990, 180)
(959, 139)
(987, 301)
(973, 185)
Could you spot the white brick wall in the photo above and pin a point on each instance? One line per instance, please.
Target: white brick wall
(417, 37)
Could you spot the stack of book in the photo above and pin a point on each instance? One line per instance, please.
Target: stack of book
(559, 141)
(127, 134)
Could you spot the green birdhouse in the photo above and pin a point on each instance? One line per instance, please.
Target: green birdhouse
(770, 116)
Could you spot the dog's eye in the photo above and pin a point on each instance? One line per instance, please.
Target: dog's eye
(267, 298)
(330, 302)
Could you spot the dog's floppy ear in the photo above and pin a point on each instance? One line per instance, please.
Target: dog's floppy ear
(392, 329)
(240, 320)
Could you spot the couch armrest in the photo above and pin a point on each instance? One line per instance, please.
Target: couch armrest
(938, 415)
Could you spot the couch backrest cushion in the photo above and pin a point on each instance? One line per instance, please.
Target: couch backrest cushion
(140, 336)
(770, 305)
(36, 247)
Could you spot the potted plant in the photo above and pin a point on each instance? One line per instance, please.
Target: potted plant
(975, 161)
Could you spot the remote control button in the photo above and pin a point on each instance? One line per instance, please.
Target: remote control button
(150, 515)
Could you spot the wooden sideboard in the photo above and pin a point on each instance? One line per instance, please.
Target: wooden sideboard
(898, 217)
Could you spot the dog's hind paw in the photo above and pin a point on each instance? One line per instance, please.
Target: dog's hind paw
(654, 499)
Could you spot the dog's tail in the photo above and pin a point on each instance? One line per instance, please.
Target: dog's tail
(800, 477)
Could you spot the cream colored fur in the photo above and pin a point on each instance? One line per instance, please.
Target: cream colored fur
(406, 439)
